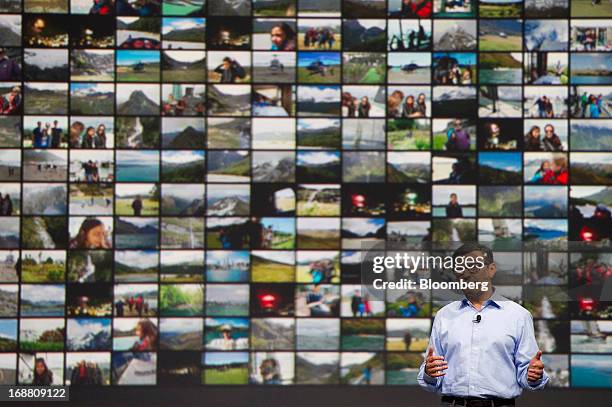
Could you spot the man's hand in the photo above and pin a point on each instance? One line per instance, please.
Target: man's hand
(435, 366)
(536, 368)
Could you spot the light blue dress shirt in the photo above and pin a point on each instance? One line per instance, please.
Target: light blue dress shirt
(485, 359)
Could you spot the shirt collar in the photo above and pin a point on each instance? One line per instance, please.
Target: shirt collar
(496, 300)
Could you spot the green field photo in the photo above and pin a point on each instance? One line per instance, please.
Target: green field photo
(586, 8)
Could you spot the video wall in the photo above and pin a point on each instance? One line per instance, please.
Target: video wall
(186, 187)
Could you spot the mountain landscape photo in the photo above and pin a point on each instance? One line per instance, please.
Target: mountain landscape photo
(224, 166)
(46, 65)
(92, 66)
(138, 103)
(184, 171)
(229, 206)
(586, 135)
(93, 337)
(221, 103)
(456, 39)
(10, 32)
(175, 205)
(191, 70)
(187, 138)
(356, 37)
(408, 172)
(279, 171)
(92, 100)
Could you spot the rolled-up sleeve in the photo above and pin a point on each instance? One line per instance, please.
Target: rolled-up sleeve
(526, 349)
(433, 384)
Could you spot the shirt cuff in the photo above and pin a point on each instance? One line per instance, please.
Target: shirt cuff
(430, 380)
(538, 384)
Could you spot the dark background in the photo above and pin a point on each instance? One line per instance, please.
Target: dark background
(303, 396)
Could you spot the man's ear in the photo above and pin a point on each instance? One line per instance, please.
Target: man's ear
(492, 270)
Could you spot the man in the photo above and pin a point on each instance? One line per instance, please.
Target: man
(137, 206)
(254, 230)
(37, 133)
(559, 172)
(421, 36)
(584, 102)
(227, 341)
(9, 68)
(482, 350)
(56, 135)
(89, 171)
(453, 209)
(230, 70)
(119, 306)
(6, 206)
(355, 303)
(407, 340)
(541, 103)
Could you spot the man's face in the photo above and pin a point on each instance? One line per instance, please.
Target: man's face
(477, 274)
